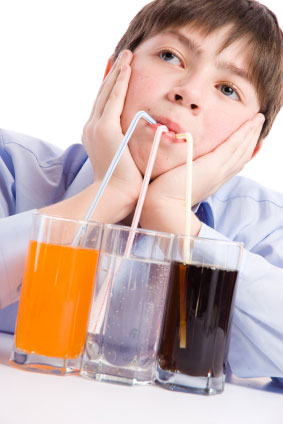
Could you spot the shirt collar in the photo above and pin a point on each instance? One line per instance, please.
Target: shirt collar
(204, 212)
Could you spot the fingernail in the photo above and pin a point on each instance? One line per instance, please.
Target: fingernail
(260, 118)
(122, 54)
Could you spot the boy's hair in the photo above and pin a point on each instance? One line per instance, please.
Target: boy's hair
(251, 21)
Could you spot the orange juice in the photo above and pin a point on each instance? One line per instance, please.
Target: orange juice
(55, 300)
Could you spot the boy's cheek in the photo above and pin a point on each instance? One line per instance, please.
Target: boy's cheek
(144, 93)
(220, 127)
(141, 92)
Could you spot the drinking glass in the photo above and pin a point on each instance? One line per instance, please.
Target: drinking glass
(56, 294)
(194, 339)
(127, 307)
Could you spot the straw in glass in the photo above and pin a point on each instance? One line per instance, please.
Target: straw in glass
(101, 299)
(183, 307)
(186, 247)
(110, 170)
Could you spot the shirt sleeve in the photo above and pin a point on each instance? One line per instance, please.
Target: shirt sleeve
(33, 174)
(15, 233)
(256, 348)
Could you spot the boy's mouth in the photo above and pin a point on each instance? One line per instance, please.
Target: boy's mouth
(173, 128)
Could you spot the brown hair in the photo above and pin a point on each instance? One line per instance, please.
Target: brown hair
(250, 20)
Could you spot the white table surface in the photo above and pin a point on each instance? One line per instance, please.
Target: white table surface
(28, 397)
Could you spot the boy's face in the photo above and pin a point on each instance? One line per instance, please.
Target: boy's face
(183, 81)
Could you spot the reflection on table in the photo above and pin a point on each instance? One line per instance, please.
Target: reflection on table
(34, 398)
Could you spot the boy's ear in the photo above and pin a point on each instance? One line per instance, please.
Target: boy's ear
(257, 148)
(108, 67)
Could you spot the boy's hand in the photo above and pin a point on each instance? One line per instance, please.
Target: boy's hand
(164, 208)
(212, 170)
(102, 133)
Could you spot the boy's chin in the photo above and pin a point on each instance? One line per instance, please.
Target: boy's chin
(157, 171)
(162, 163)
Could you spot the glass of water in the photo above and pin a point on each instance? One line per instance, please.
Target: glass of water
(127, 305)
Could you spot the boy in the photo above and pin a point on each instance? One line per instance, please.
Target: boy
(210, 67)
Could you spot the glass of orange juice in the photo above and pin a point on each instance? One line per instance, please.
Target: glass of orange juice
(56, 294)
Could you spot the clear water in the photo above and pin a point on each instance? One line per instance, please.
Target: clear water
(124, 344)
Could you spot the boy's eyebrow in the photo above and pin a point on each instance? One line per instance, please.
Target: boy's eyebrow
(191, 44)
(234, 69)
(222, 65)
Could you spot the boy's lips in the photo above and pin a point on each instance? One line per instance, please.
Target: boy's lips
(173, 128)
(171, 125)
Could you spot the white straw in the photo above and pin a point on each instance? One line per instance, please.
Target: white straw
(189, 139)
(186, 247)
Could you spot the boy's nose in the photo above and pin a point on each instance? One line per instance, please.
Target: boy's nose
(188, 95)
(180, 99)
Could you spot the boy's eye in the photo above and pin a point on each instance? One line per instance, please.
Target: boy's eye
(168, 56)
(229, 91)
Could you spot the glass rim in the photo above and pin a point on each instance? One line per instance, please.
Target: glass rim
(140, 230)
(209, 240)
(74, 220)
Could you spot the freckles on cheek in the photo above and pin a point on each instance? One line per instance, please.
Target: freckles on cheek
(143, 83)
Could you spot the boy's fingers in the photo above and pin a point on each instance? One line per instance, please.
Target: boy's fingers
(240, 139)
(232, 155)
(112, 69)
(104, 92)
(243, 154)
(259, 119)
(228, 158)
(109, 83)
(115, 103)
(248, 144)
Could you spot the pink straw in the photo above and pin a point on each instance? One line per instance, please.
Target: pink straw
(96, 318)
(160, 130)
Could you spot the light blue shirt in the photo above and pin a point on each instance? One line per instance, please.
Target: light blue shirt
(34, 174)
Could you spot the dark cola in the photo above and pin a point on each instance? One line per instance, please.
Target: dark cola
(195, 334)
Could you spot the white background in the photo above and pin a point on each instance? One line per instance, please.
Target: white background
(53, 55)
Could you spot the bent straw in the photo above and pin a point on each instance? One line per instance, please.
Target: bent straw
(186, 248)
(112, 166)
(97, 318)
(160, 130)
